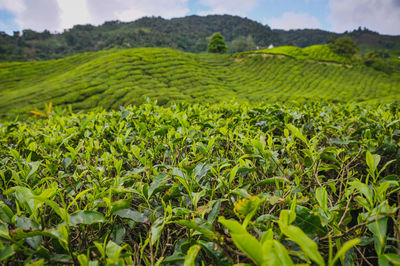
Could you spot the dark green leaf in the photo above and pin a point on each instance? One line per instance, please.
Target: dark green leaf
(132, 214)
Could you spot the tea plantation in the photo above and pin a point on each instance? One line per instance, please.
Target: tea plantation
(264, 184)
(116, 78)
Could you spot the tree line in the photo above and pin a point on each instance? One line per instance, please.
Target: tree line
(189, 34)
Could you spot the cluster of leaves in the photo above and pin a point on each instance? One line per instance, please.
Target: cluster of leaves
(212, 184)
(116, 78)
(344, 46)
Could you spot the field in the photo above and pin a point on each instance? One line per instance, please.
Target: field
(269, 184)
(116, 78)
(152, 156)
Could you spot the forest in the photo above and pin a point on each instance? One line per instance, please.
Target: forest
(189, 34)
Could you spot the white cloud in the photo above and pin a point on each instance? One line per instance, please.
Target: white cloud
(15, 6)
(104, 10)
(290, 20)
(73, 12)
(379, 15)
(37, 15)
(61, 14)
(232, 7)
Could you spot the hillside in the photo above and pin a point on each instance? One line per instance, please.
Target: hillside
(188, 34)
(114, 78)
(321, 53)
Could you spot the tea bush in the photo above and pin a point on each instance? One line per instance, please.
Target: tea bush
(121, 77)
(193, 184)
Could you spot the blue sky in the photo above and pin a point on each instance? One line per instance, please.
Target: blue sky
(334, 15)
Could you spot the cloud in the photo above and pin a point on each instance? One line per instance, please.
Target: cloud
(37, 15)
(379, 15)
(232, 7)
(291, 20)
(61, 14)
(101, 10)
(73, 12)
(14, 6)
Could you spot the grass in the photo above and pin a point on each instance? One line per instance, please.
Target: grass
(116, 78)
(202, 184)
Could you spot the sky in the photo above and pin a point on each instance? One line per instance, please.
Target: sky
(382, 16)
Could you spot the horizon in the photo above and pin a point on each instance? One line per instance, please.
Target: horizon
(329, 15)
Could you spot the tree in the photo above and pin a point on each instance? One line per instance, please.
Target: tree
(242, 44)
(344, 46)
(217, 44)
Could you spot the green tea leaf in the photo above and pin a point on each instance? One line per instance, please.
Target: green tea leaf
(132, 214)
(156, 230)
(308, 246)
(244, 241)
(193, 225)
(346, 246)
(393, 258)
(322, 197)
(6, 213)
(379, 228)
(276, 253)
(6, 252)
(158, 181)
(297, 133)
(191, 255)
(113, 251)
(86, 217)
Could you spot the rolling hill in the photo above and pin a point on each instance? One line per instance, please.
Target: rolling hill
(114, 78)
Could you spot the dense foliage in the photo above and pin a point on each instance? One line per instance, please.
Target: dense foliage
(217, 44)
(242, 44)
(363, 37)
(189, 34)
(219, 184)
(381, 61)
(116, 78)
(344, 46)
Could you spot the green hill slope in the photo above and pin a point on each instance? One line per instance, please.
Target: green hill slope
(315, 52)
(118, 77)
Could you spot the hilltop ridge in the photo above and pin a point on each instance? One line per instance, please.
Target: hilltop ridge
(188, 34)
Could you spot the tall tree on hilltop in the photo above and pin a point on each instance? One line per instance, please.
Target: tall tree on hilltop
(217, 44)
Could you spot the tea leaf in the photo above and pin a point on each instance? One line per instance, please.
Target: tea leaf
(191, 255)
(86, 217)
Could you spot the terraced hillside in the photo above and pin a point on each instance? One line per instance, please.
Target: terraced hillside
(119, 77)
(314, 52)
